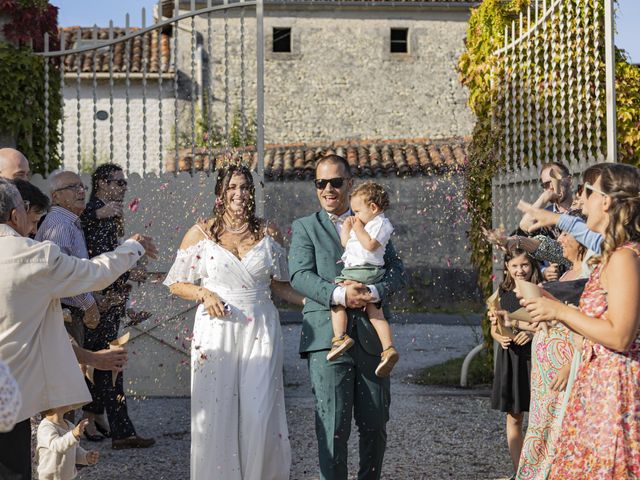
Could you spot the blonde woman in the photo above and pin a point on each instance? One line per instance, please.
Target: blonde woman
(600, 434)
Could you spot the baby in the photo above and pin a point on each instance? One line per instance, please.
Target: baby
(365, 236)
(58, 450)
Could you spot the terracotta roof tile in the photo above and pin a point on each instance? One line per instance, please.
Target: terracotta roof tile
(155, 63)
(375, 158)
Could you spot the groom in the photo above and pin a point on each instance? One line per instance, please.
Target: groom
(348, 383)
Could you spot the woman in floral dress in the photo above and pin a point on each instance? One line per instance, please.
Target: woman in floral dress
(555, 356)
(600, 434)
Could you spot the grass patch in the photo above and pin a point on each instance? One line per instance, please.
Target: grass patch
(448, 373)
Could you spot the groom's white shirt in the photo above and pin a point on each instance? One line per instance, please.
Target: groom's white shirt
(339, 296)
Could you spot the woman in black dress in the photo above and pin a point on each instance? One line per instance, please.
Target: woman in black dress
(511, 380)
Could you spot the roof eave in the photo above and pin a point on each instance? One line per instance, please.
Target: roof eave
(167, 5)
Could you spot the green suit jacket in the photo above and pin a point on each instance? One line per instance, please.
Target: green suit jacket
(314, 263)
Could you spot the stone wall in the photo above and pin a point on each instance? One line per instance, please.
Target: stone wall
(340, 81)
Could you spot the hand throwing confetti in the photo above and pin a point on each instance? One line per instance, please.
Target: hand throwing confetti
(134, 204)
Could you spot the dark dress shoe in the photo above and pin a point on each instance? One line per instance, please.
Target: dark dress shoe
(131, 442)
(93, 438)
(103, 430)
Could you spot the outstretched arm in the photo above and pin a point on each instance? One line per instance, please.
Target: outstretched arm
(302, 268)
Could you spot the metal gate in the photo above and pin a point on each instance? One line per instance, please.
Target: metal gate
(161, 97)
(554, 97)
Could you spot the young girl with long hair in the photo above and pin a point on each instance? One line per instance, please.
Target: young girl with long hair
(511, 389)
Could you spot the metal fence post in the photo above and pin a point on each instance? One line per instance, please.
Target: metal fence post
(260, 201)
(610, 67)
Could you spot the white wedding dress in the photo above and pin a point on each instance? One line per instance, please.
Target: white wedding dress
(238, 421)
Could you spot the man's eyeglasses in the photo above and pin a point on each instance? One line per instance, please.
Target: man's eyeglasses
(321, 184)
(118, 181)
(77, 187)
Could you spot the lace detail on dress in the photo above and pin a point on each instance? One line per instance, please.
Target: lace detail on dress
(188, 266)
(10, 400)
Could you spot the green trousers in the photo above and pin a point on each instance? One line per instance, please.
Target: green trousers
(342, 388)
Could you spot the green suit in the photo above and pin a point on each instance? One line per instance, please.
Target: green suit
(348, 383)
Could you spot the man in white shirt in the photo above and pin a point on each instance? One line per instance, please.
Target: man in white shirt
(33, 340)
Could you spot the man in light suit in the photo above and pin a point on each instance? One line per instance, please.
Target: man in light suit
(348, 383)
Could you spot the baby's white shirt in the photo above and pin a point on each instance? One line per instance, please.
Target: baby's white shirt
(380, 229)
(58, 451)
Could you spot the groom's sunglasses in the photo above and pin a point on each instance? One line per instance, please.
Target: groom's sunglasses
(337, 182)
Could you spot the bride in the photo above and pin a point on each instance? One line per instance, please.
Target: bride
(238, 422)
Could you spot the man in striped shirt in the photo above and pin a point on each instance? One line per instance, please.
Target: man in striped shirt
(62, 227)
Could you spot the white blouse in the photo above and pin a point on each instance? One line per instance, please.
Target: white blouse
(380, 229)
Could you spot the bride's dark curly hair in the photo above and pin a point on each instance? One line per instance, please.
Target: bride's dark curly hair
(222, 184)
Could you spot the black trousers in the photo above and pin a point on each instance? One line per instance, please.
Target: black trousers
(105, 395)
(15, 452)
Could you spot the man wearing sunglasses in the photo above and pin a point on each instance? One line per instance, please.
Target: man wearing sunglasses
(62, 227)
(103, 226)
(350, 382)
(556, 199)
(549, 199)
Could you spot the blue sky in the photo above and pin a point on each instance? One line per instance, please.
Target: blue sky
(89, 12)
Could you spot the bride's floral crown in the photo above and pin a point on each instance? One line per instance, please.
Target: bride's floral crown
(231, 157)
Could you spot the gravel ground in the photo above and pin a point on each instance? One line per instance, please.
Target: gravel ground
(433, 433)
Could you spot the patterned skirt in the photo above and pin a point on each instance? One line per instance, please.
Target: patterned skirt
(600, 435)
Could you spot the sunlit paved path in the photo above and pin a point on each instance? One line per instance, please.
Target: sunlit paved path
(434, 433)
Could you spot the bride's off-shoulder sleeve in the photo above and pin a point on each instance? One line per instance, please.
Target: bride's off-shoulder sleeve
(280, 267)
(189, 265)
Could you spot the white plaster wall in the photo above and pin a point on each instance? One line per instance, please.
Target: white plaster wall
(102, 132)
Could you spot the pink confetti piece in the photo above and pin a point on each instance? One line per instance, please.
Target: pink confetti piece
(134, 204)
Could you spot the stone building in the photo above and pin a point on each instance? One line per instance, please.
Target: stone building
(100, 116)
(338, 70)
(375, 81)
(335, 70)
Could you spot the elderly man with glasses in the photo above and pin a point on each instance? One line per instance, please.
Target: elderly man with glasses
(62, 227)
(103, 226)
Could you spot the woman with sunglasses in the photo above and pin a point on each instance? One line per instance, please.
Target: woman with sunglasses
(600, 434)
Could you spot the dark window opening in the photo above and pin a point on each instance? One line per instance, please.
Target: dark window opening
(399, 40)
(282, 40)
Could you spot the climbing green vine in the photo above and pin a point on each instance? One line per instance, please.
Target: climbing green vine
(22, 105)
(22, 76)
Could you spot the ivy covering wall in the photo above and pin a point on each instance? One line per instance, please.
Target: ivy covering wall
(22, 74)
(484, 36)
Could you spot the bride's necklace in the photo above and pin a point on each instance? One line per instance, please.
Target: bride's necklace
(241, 229)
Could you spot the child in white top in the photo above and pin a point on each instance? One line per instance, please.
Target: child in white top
(365, 236)
(58, 450)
